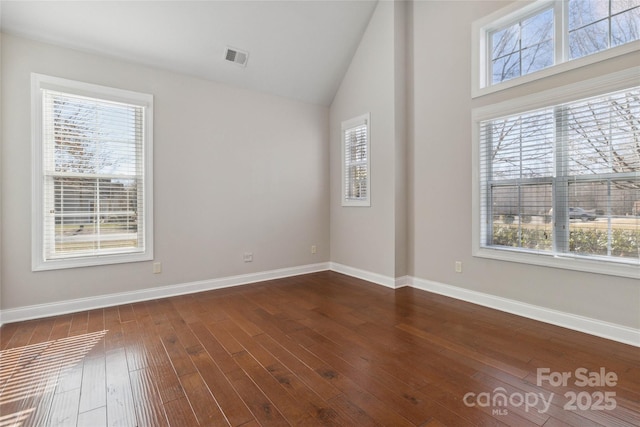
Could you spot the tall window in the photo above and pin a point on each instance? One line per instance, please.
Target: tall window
(527, 41)
(563, 180)
(356, 181)
(92, 174)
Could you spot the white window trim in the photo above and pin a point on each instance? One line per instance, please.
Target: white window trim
(479, 52)
(40, 81)
(584, 89)
(348, 124)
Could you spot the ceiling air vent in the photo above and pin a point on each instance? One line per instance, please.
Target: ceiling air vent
(236, 56)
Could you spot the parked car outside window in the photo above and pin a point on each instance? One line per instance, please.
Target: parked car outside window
(582, 214)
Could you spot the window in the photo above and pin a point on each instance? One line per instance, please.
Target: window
(561, 181)
(520, 43)
(596, 25)
(522, 47)
(91, 174)
(356, 190)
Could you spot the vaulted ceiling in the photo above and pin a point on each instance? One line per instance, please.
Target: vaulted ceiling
(297, 49)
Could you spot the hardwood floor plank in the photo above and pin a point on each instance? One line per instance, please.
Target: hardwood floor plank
(287, 406)
(8, 330)
(114, 339)
(126, 314)
(187, 308)
(70, 378)
(177, 354)
(446, 343)
(79, 323)
(96, 320)
(351, 411)
(235, 312)
(134, 345)
(148, 404)
(380, 411)
(61, 327)
(408, 403)
(260, 406)
(306, 374)
(202, 402)
(317, 408)
(42, 331)
(179, 413)
(64, 409)
(40, 402)
(94, 418)
(230, 344)
(231, 404)
(163, 374)
(94, 384)
(120, 404)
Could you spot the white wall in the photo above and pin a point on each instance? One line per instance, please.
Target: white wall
(367, 238)
(440, 179)
(235, 171)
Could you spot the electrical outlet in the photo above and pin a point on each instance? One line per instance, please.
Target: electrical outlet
(314, 249)
(458, 266)
(247, 257)
(157, 267)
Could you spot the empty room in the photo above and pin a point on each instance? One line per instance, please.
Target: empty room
(320, 212)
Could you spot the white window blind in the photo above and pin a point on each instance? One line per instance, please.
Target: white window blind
(564, 180)
(356, 164)
(93, 179)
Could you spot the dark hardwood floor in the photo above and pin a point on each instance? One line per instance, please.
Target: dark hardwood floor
(319, 349)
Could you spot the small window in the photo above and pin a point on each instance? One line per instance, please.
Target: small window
(596, 25)
(527, 41)
(562, 181)
(92, 174)
(356, 179)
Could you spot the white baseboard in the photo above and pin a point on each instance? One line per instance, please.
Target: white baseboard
(591, 326)
(612, 331)
(379, 279)
(83, 304)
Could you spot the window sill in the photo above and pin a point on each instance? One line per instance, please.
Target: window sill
(89, 261)
(621, 269)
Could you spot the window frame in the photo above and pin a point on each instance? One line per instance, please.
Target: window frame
(40, 82)
(549, 98)
(481, 47)
(364, 119)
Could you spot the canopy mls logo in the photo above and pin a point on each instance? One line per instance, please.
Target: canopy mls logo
(500, 401)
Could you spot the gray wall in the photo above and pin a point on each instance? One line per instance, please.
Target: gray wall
(235, 171)
(374, 238)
